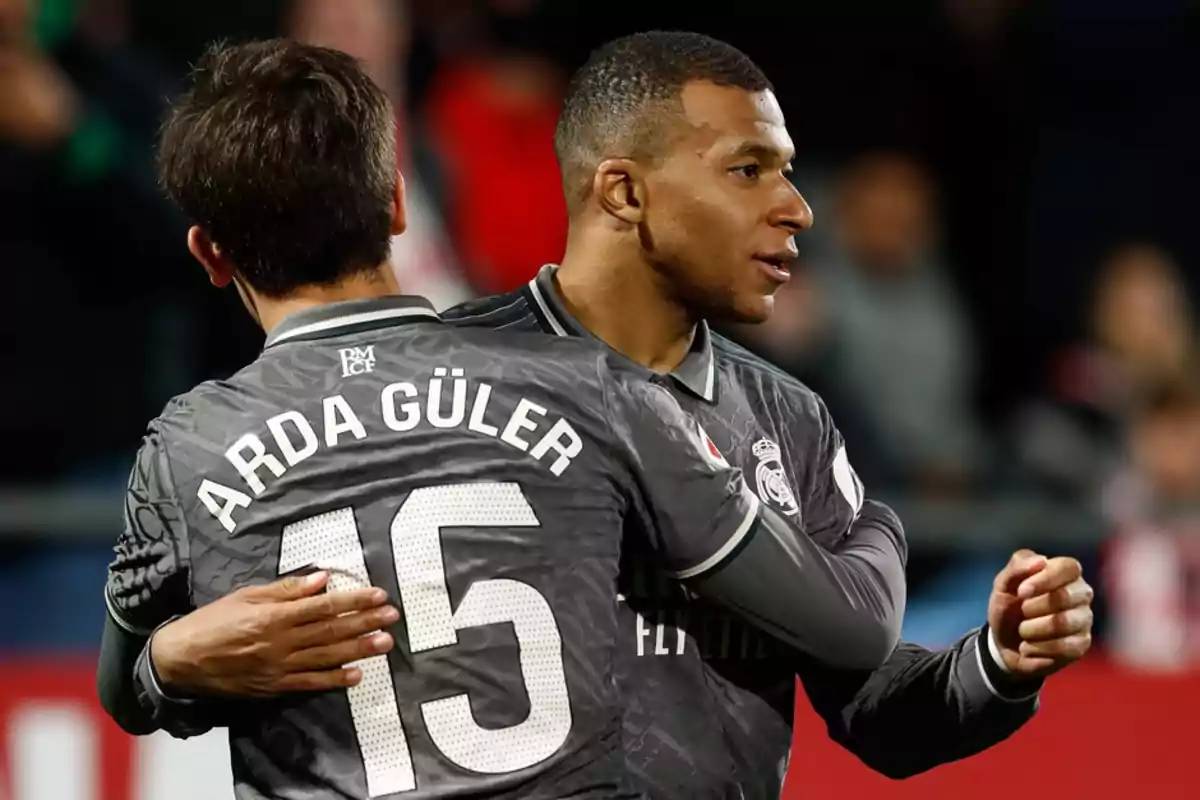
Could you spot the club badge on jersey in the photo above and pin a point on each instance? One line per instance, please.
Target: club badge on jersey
(773, 487)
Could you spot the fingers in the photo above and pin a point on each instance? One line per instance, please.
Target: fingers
(1023, 564)
(1057, 573)
(341, 628)
(1075, 594)
(321, 681)
(331, 604)
(1057, 626)
(1055, 621)
(332, 656)
(1066, 648)
(290, 588)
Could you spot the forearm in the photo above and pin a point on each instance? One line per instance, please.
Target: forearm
(842, 608)
(116, 680)
(959, 698)
(133, 696)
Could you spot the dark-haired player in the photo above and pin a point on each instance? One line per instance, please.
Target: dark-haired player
(488, 481)
(674, 155)
(675, 160)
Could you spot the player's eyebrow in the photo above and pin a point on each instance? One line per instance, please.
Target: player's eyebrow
(760, 151)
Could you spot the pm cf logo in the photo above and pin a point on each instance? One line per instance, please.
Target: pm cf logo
(357, 360)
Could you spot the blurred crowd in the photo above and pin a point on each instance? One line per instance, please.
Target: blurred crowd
(975, 328)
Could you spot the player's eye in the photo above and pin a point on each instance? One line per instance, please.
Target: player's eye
(750, 171)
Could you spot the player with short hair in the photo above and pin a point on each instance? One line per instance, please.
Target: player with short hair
(489, 481)
(675, 158)
(675, 155)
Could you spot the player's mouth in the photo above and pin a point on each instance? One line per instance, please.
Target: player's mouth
(777, 266)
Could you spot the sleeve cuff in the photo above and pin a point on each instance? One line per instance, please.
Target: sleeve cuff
(742, 533)
(151, 690)
(180, 715)
(984, 675)
(993, 648)
(118, 617)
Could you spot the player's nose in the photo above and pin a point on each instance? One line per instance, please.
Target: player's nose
(792, 211)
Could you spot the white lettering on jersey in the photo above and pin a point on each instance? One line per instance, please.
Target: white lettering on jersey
(478, 409)
(520, 421)
(458, 405)
(562, 439)
(357, 360)
(411, 410)
(208, 493)
(340, 418)
(773, 487)
(291, 453)
(248, 467)
(530, 428)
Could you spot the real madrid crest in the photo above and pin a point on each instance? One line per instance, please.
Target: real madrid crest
(772, 480)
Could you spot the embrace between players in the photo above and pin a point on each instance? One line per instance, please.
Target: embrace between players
(406, 556)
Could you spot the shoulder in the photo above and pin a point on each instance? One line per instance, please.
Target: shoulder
(754, 374)
(503, 311)
(531, 345)
(189, 412)
(194, 429)
(511, 322)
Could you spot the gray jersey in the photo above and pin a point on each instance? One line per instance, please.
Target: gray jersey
(708, 698)
(487, 482)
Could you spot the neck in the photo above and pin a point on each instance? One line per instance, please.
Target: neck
(368, 285)
(625, 303)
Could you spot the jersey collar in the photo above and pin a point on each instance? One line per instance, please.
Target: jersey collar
(697, 373)
(351, 316)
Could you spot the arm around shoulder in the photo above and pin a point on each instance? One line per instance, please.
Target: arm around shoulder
(148, 584)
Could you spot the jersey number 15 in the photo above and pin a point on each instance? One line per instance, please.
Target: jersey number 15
(331, 541)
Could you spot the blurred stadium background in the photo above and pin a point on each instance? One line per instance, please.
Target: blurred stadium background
(996, 301)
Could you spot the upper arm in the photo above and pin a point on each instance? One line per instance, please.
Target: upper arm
(831, 493)
(148, 580)
(700, 509)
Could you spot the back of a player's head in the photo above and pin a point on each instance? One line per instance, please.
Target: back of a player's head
(622, 102)
(285, 155)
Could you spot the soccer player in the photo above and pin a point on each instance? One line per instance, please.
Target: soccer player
(674, 155)
(489, 481)
(675, 159)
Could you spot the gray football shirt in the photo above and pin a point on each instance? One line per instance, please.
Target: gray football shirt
(708, 698)
(485, 480)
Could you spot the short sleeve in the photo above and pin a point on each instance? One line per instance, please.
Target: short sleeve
(148, 580)
(832, 495)
(701, 511)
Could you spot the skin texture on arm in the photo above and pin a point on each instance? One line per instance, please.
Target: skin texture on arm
(260, 641)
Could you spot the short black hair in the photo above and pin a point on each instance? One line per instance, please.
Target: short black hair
(616, 104)
(285, 154)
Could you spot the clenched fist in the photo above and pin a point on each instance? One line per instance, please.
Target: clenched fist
(1041, 613)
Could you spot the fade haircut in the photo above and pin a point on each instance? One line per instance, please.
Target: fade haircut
(620, 103)
(285, 154)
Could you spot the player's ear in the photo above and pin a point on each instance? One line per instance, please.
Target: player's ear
(399, 214)
(619, 186)
(209, 254)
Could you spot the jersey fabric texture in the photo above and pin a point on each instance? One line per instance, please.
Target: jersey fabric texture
(709, 700)
(706, 702)
(487, 481)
